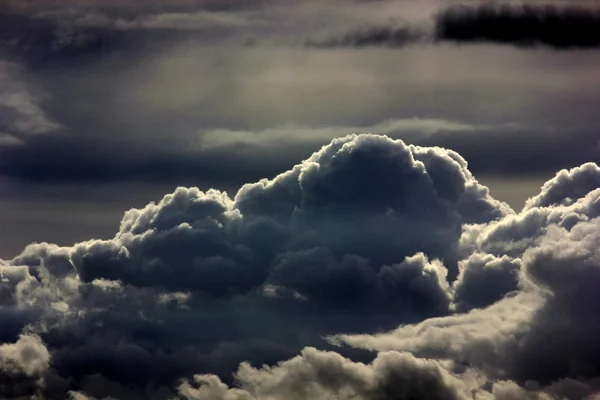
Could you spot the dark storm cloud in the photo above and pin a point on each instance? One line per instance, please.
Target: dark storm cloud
(557, 26)
(200, 282)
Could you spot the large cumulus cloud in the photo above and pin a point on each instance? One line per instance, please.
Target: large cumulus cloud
(366, 235)
(363, 235)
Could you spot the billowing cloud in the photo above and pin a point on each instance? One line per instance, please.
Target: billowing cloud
(545, 331)
(362, 235)
(327, 375)
(27, 355)
(366, 234)
(23, 365)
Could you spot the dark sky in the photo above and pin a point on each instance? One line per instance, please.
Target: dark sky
(180, 192)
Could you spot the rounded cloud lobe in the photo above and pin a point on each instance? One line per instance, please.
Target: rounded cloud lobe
(366, 234)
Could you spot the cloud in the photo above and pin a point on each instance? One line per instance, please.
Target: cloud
(383, 36)
(23, 366)
(485, 279)
(556, 26)
(27, 355)
(228, 158)
(365, 235)
(567, 186)
(544, 331)
(319, 249)
(21, 112)
(81, 84)
(319, 375)
(193, 20)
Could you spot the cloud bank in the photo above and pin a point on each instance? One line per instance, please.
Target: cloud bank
(366, 234)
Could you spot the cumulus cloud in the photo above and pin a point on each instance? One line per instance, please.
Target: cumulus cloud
(23, 365)
(543, 332)
(327, 375)
(362, 235)
(484, 279)
(28, 355)
(366, 234)
(567, 187)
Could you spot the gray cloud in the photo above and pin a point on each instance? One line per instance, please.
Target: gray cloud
(328, 237)
(28, 355)
(544, 331)
(484, 279)
(99, 96)
(365, 234)
(554, 25)
(21, 112)
(338, 24)
(23, 365)
(319, 375)
(383, 36)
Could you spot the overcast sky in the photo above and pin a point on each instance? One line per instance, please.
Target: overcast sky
(107, 106)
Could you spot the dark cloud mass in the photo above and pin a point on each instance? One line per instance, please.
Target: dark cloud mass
(184, 283)
(558, 26)
(366, 234)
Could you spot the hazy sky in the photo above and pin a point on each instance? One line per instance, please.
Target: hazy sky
(108, 106)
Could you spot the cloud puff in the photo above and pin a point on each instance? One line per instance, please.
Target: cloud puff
(23, 365)
(484, 279)
(327, 375)
(567, 186)
(28, 355)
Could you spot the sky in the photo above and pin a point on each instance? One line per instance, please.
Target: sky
(280, 200)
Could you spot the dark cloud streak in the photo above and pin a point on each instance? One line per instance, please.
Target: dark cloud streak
(556, 26)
